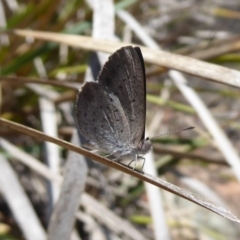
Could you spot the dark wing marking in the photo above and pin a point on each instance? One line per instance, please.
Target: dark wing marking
(138, 50)
(124, 76)
(101, 118)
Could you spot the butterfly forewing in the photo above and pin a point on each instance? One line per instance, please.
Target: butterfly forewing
(124, 76)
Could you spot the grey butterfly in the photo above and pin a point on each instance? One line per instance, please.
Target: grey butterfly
(111, 112)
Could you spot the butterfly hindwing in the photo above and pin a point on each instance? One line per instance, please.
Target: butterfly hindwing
(101, 118)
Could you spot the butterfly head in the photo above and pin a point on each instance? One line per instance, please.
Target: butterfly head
(144, 146)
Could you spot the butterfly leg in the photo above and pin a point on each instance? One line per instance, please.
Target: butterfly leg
(131, 162)
(111, 156)
(139, 157)
(135, 162)
(108, 155)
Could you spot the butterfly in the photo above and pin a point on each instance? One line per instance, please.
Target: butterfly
(111, 112)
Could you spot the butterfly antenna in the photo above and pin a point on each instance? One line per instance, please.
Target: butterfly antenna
(176, 131)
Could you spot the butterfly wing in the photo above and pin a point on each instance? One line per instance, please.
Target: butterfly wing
(124, 76)
(101, 118)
